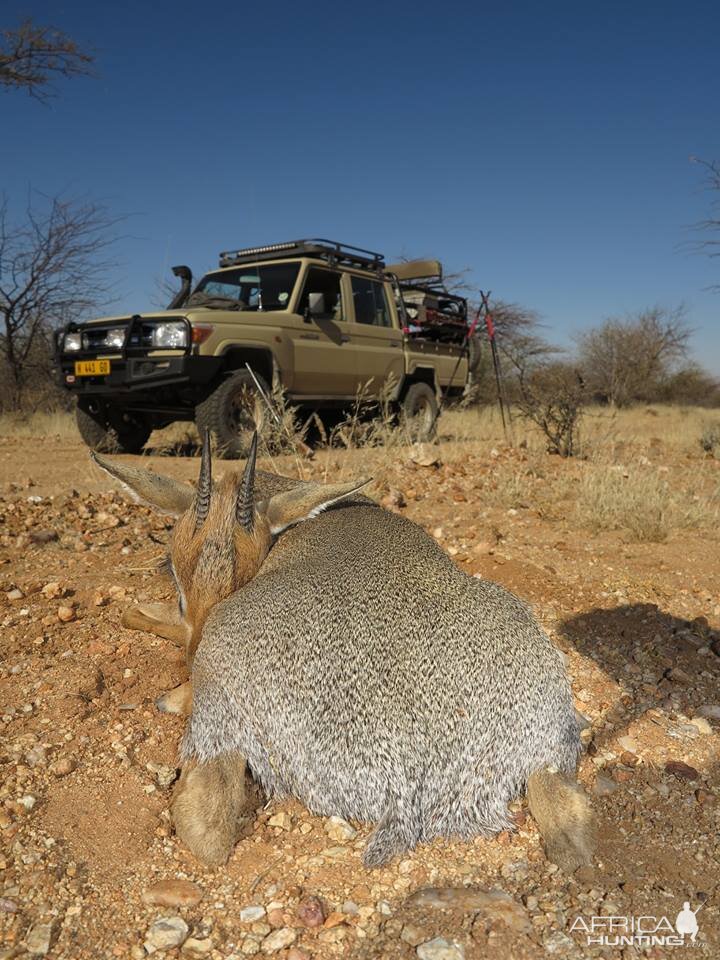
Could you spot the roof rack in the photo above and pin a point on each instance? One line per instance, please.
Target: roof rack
(330, 250)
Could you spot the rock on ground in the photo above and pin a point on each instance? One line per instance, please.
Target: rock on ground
(172, 893)
(441, 949)
(166, 933)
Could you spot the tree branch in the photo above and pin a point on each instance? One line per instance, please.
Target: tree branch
(31, 55)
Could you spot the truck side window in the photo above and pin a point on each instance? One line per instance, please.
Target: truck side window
(327, 283)
(370, 302)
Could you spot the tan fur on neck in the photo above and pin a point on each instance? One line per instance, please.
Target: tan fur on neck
(214, 560)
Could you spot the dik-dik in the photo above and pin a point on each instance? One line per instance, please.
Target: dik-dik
(339, 652)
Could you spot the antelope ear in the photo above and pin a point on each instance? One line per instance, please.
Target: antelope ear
(169, 496)
(285, 509)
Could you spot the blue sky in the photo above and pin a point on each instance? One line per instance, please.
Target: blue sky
(543, 145)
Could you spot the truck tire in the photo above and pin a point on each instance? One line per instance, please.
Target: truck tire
(231, 413)
(117, 433)
(475, 354)
(420, 412)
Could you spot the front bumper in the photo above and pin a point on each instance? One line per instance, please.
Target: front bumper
(135, 367)
(131, 374)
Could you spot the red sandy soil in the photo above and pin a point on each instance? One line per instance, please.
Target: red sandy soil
(88, 762)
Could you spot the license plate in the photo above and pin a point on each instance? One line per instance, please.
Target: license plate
(92, 368)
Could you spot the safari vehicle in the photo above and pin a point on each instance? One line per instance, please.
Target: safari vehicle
(319, 319)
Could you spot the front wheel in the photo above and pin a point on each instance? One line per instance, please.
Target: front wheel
(231, 413)
(420, 412)
(108, 430)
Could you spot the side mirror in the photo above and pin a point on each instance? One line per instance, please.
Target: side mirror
(316, 305)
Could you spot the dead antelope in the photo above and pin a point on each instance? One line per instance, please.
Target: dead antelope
(338, 651)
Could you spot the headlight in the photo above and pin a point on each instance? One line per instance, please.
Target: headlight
(73, 341)
(115, 337)
(170, 335)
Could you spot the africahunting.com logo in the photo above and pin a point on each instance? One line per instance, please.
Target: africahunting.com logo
(641, 931)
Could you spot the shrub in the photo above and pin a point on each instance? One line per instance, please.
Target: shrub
(552, 396)
(710, 438)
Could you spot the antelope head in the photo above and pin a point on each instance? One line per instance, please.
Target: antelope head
(222, 535)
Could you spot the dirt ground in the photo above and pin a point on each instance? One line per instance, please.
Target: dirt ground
(88, 762)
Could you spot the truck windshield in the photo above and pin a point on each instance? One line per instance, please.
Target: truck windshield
(249, 287)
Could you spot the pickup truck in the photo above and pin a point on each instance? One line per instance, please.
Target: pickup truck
(321, 320)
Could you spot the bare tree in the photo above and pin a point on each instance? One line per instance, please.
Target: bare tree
(31, 55)
(53, 268)
(711, 225)
(164, 292)
(520, 344)
(628, 359)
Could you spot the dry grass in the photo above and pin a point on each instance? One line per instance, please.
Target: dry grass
(523, 485)
(604, 431)
(371, 421)
(57, 424)
(624, 479)
(177, 439)
(649, 429)
(642, 503)
(631, 476)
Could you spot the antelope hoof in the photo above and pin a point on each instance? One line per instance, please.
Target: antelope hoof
(178, 700)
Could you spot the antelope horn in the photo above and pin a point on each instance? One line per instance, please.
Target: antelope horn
(245, 507)
(204, 487)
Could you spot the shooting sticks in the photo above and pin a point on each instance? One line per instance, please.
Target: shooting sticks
(464, 351)
(490, 327)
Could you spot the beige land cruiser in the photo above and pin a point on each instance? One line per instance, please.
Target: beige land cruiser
(320, 319)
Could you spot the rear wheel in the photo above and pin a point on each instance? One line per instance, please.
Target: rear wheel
(109, 430)
(474, 354)
(231, 413)
(420, 412)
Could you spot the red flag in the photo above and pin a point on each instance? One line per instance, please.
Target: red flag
(490, 326)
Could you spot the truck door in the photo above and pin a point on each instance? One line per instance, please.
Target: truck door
(324, 365)
(377, 342)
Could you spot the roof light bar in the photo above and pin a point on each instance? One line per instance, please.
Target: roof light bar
(251, 251)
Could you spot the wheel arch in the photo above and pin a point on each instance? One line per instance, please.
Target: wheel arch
(419, 375)
(261, 360)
